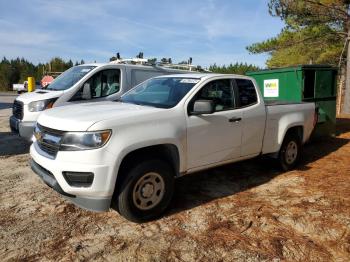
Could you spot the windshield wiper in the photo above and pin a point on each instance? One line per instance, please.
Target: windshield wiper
(144, 104)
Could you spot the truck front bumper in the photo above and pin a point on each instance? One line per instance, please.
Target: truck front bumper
(96, 197)
(23, 129)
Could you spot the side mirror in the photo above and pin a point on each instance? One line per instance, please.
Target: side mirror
(201, 107)
(86, 92)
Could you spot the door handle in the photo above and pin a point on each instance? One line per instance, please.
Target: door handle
(235, 119)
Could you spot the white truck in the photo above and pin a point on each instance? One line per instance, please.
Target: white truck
(80, 84)
(126, 154)
(22, 88)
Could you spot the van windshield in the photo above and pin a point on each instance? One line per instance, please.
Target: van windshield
(163, 92)
(69, 77)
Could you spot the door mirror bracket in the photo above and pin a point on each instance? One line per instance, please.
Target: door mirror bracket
(86, 92)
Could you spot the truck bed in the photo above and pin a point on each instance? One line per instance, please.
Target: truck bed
(279, 116)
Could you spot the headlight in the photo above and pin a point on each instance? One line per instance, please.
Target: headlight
(73, 141)
(41, 105)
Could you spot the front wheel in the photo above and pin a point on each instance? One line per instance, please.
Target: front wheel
(290, 151)
(146, 191)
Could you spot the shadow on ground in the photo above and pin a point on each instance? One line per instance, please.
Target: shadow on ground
(11, 144)
(200, 188)
(5, 105)
(343, 125)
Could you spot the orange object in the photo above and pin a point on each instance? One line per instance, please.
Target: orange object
(46, 80)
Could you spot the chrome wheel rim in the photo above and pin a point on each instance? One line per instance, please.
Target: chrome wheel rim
(148, 191)
(291, 152)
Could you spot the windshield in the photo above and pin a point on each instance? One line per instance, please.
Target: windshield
(69, 77)
(163, 92)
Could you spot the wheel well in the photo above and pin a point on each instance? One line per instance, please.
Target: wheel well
(296, 130)
(167, 152)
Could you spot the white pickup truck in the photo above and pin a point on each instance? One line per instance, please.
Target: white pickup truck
(126, 154)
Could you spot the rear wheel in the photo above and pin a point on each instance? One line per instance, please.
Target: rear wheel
(290, 151)
(146, 191)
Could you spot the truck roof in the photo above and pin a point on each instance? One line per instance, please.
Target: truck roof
(205, 75)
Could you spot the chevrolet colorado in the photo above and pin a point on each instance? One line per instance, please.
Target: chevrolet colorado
(126, 154)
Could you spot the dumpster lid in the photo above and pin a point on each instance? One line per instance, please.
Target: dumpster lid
(292, 68)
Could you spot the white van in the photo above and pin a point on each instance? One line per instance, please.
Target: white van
(79, 84)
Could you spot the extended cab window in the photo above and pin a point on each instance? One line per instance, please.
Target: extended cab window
(246, 92)
(220, 91)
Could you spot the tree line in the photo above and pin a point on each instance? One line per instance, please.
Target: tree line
(237, 68)
(17, 70)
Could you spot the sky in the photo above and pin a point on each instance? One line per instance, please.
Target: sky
(209, 31)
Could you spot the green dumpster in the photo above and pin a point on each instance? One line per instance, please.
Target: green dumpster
(304, 83)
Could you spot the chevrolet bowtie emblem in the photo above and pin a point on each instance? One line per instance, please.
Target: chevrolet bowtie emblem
(38, 136)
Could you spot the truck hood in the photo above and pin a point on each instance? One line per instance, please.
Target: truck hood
(38, 95)
(80, 117)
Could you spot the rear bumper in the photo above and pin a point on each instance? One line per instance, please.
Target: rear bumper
(23, 129)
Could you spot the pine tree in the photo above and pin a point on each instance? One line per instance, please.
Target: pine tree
(237, 68)
(316, 31)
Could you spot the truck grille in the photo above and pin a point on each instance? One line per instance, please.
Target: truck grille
(48, 139)
(17, 109)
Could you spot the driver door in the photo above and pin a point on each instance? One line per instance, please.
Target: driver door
(103, 85)
(214, 138)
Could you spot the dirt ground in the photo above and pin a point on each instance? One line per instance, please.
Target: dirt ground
(248, 211)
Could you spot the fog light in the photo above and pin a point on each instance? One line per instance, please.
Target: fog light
(79, 179)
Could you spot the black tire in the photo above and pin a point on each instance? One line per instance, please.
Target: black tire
(289, 158)
(126, 200)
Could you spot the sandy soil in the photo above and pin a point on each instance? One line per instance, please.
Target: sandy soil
(248, 211)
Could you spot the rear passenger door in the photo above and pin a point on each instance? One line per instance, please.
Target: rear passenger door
(253, 116)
